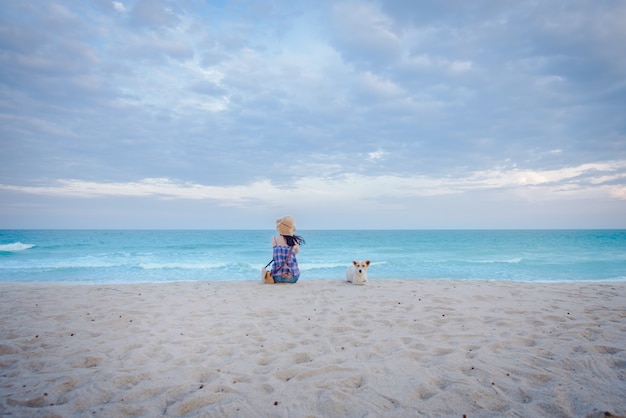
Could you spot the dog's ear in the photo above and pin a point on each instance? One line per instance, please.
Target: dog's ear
(367, 262)
(356, 263)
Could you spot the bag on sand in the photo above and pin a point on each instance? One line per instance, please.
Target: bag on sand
(266, 275)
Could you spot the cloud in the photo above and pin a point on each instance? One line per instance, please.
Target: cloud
(575, 182)
(376, 155)
(216, 100)
(364, 32)
(153, 13)
(119, 6)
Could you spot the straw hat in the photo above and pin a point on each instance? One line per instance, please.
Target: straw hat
(285, 225)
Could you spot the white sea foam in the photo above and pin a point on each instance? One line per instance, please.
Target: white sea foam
(181, 266)
(317, 266)
(516, 260)
(15, 247)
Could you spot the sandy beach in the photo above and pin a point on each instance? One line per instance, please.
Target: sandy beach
(392, 348)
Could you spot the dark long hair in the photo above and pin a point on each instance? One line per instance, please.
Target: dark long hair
(293, 240)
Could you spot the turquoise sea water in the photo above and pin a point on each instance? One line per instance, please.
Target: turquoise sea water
(108, 256)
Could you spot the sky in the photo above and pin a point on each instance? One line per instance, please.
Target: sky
(358, 114)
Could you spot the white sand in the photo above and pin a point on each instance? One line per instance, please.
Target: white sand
(392, 348)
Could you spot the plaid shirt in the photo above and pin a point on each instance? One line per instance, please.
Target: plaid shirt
(280, 253)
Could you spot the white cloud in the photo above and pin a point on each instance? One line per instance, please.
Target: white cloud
(351, 187)
(376, 155)
(618, 192)
(156, 187)
(119, 6)
(378, 86)
(427, 62)
(549, 80)
(460, 66)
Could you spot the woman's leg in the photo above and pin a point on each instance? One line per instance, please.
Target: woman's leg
(281, 279)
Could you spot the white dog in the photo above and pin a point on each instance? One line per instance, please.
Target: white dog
(357, 272)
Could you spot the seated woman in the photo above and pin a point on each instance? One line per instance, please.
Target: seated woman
(284, 249)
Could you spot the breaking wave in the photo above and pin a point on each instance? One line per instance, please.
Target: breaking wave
(15, 247)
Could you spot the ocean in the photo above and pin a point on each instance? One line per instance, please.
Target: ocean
(132, 256)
